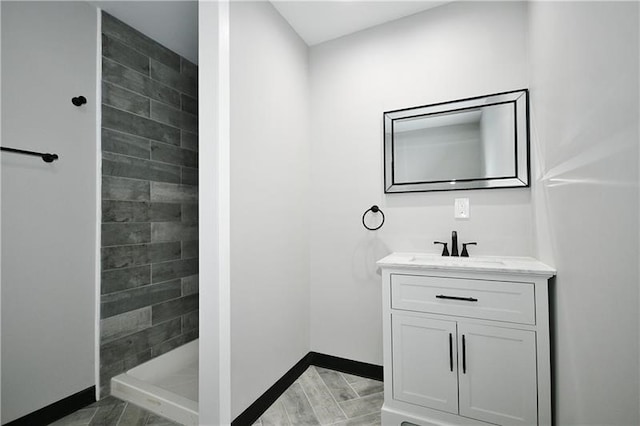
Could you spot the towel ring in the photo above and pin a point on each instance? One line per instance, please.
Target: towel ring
(373, 209)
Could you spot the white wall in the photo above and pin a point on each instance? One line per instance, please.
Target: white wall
(269, 200)
(49, 210)
(454, 51)
(497, 127)
(584, 97)
(214, 245)
(0, 219)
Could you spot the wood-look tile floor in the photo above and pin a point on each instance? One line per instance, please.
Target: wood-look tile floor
(318, 397)
(111, 411)
(327, 397)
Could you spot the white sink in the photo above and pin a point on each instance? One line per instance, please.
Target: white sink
(455, 261)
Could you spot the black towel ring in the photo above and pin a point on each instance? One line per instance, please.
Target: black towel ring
(374, 209)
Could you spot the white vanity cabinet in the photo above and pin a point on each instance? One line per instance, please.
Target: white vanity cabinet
(424, 362)
(466, 341)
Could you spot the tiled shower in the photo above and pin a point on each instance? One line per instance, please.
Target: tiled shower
(149, 247)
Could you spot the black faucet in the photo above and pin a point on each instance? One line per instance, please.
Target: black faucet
(454, 244)
(465, 253)
(445, 250)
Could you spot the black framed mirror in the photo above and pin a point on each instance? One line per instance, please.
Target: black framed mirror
(474, 143)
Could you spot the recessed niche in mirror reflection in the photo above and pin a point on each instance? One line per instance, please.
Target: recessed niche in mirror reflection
(473, 143)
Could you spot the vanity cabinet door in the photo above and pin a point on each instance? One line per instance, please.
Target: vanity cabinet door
(424, 362)
(497, 368)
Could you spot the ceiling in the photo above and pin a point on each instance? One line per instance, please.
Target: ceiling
(320, 21)
(174, 24)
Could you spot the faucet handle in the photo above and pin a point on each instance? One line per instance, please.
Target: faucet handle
(445, 250)
(465, 253)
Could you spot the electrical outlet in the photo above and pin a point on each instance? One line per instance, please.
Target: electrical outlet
(461, 208)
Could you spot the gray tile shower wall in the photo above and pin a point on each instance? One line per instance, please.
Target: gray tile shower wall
(149, 285)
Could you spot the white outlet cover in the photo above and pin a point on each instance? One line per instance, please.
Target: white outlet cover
(461, 208)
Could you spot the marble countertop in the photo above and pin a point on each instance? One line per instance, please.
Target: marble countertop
(500, 264)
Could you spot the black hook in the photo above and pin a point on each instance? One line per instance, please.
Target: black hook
(374, 209)
(79, 101)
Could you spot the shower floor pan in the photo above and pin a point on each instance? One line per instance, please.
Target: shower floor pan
(166, 385)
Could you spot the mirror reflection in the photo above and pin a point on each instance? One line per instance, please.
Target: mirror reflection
(458, 145)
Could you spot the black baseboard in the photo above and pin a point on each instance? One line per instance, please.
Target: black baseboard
(255, 410)
(57, 410)
(357, 368)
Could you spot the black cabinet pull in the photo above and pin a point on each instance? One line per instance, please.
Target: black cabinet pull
(464, 356)
(450, 351)
(466, 299)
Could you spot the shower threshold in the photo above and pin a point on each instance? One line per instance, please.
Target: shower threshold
(166, 385)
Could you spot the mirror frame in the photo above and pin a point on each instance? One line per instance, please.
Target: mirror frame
(521, 173)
